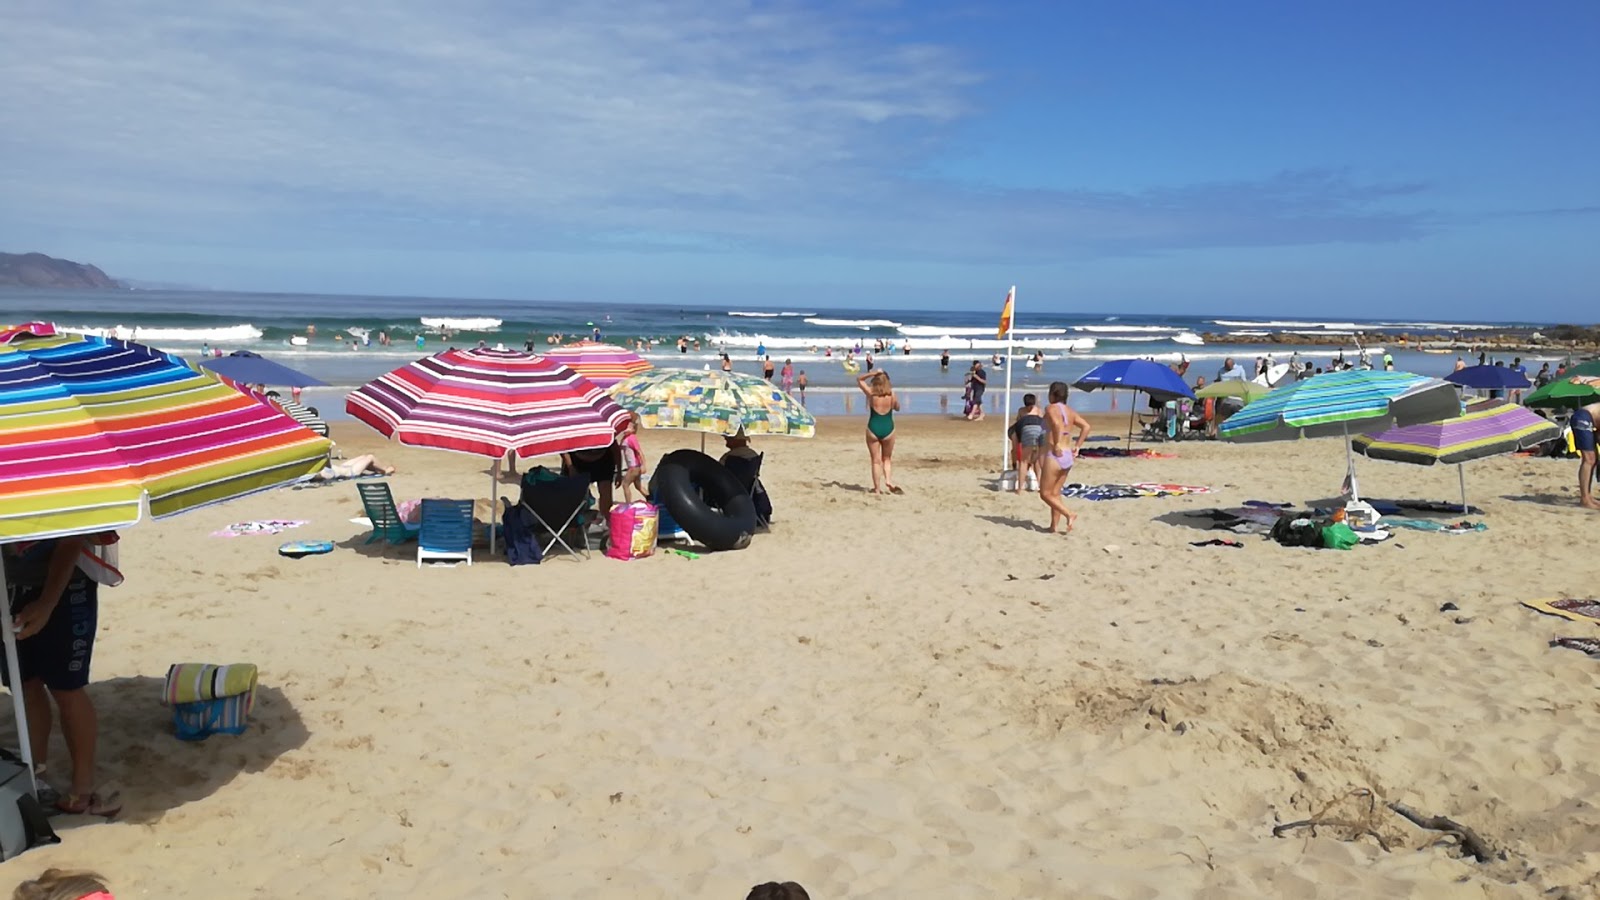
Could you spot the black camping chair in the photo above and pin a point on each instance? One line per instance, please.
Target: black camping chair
(748, 471)
(557, 503)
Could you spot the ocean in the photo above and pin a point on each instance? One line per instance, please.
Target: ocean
(345, 350)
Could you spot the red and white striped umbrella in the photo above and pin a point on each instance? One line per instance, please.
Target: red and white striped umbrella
(488, 402)
(603, 364)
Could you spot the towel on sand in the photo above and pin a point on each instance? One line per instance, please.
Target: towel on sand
(1580, 644)
(1462, 527)
(1136, 453)
(268, 526)
(1129, 491)
(1577, 610)
(191, 682)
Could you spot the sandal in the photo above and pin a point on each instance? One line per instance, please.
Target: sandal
(94, 804)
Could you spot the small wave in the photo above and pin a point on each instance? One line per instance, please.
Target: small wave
(862, 324)
(941, 331)
(1303, 326)
(226, 334)
(463, 324)
(1126, 329)
(771, 315)
(1188, 337)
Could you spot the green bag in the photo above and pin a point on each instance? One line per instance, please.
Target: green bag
(1339, 536)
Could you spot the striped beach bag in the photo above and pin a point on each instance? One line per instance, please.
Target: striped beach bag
(209, 699)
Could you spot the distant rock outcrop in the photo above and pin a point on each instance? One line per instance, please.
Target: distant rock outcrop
(39, 271)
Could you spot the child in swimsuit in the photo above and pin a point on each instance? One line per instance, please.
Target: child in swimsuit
(632, 459)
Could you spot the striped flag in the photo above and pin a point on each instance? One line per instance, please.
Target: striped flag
(1005, 314)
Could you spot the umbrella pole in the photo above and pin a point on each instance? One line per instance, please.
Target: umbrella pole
(1461, 473)
(494, 501)
(1133, 407)
(1350, 465)
(18, 704)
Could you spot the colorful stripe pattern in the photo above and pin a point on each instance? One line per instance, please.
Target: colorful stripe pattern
(714, 403)
(603, 364)
(486, 402)
(1488, 428)
(92, 427)
(1327, 405)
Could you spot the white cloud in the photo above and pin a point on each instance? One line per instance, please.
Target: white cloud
(701, 124)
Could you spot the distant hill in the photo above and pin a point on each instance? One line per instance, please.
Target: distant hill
(39, 271)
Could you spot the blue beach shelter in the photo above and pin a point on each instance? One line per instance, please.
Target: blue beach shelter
(1490, 378)
(253, 368)
(1153, 378)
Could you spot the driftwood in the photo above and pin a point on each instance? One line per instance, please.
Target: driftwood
(1321, 818)
(1471, 842)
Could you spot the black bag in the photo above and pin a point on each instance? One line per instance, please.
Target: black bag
(522, 542)
(1295, 530)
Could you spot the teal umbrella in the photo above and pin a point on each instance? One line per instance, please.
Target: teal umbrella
(1328, 405)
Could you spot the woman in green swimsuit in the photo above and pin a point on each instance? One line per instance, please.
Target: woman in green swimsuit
(881, 406)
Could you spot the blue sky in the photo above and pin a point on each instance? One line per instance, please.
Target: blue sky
(1361, 157)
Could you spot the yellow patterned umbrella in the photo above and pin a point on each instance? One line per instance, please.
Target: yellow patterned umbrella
(722, 403)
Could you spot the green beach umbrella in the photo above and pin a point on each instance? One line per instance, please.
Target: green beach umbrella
(713, 402)
(1243, 390)
(1592, 367)
(1562, 394)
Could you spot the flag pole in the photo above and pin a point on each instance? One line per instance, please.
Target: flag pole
(1005, 412)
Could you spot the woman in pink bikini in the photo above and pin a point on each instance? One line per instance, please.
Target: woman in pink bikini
(1055, 463)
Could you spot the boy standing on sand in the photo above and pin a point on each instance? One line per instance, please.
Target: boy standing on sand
(1583, 441)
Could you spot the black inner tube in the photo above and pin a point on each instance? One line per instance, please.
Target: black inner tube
(705, 499)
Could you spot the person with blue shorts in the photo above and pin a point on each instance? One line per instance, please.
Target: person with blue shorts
(1582, 424)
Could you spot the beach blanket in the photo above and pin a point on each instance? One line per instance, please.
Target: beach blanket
(192, 682)
(1136, 453)
(268, 526)
(1578, 610)
(1239, 519)
(1589, 646)
(1462, 527)
(1394, 507)
(1129, 491)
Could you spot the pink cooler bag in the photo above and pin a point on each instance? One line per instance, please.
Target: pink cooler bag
(633, 531)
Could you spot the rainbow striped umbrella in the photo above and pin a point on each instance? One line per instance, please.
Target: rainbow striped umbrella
(93, 430)
(488, 403)
(603, 364)
(1487, 428)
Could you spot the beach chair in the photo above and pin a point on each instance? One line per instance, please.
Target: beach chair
(748, 471)
(387, 525)
(446, 532)
(557, 503)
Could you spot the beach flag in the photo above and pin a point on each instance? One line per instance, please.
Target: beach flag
(1005, 314)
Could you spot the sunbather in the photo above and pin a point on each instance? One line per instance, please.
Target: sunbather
(355, 467)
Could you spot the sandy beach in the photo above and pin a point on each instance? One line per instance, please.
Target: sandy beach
(886, 697)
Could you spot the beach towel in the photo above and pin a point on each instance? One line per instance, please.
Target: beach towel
(1136, 453)
(189, 682)
(1393, 507)
(1578, 610)
(268, 526)
(1462, 527)
(1588, 646)
(1129, 491)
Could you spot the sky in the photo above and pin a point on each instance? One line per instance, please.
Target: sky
(1430, 157)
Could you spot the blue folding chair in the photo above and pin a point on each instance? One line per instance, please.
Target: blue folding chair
(446, 533)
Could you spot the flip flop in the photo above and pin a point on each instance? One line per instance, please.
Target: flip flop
(93, 805)
(896, 490)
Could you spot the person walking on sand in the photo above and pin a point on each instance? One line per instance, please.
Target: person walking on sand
(802, 385)
(1582, 424)
(1030, 438)
(1060, 453)
(788, 376)
(881, 407)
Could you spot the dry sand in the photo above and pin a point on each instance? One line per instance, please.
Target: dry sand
(916, 696)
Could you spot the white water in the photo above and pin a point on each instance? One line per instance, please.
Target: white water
(941, 331)
(862, 324)
(462, 324)
(224, 334)
(771, 315)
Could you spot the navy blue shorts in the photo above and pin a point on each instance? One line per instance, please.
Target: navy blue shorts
(60, 653)
(1583, 431)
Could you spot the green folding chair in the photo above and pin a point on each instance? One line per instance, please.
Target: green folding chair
(387, 525)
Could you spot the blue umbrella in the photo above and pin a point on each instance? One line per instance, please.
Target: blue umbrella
(252, 368)
(1490, 378)
(1136, 375)
(1155, 379)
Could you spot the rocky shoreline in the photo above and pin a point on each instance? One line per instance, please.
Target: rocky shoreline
(1571, 339)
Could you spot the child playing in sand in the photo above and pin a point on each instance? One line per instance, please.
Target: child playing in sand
(632, 459)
